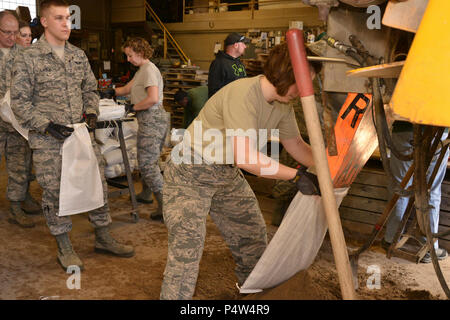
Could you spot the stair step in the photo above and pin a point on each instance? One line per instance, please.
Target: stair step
(152, 27)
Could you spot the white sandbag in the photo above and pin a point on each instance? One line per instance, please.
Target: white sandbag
(117, 170)
(7, 115)
(130, 129)
(295, 244)
(109, 110)
(81, 187)
(103, 135)
(113, 157)
(113, 171)
(107, 103)
(109, 145)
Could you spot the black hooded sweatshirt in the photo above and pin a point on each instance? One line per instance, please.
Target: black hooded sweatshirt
(223, 70)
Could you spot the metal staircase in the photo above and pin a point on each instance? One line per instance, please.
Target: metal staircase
(172, 49)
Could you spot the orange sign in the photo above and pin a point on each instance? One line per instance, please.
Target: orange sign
(356, 139)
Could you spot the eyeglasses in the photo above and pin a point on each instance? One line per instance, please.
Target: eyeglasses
(10, 33)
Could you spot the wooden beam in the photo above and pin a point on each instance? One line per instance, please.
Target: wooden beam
(405, 15)
(386, 70)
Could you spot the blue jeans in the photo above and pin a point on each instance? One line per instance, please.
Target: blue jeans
(403, 142)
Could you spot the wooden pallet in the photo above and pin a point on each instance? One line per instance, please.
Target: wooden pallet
(368, 196)
(180, 78)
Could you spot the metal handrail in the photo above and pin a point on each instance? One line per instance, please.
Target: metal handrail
(172, 40)
(251, 4)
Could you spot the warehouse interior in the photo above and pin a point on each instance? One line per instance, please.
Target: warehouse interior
(185, 36)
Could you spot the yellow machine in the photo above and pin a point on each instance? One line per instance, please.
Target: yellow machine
(421, 94)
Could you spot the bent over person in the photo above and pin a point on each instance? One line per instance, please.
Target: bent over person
(53, 86)
(214, 183)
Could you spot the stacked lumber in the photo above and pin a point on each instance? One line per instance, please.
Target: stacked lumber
(180, 78)
(254, 67)
(368, 197)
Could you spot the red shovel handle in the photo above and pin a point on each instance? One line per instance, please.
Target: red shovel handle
(299, 63)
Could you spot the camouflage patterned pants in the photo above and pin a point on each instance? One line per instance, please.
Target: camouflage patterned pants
(190, 193)
(18, 164)
(47, 162)
(150, 140)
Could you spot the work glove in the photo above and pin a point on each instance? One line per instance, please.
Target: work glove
(306, 182)
(58, 131)
(129, 108)
(91, 120)
(108, 93)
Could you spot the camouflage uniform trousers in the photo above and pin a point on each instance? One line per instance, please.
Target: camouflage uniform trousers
(190, 193)
(152, 132)
(48, 162)
(18, 161)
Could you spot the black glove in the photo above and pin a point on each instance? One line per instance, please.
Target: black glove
(58, 131)
(91, 120)
(108, 93)
(129, 108)
(306, 182)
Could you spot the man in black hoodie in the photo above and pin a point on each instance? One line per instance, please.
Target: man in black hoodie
(227, 67)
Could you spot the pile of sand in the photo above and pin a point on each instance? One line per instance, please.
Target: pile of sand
(299, 287)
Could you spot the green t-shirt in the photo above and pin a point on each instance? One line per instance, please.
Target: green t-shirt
(238, 109)
(197, 99)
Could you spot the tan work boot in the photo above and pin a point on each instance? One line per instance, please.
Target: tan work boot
(30, 205)
(158, 215)
(17, 216)
(146, 194)
(105, 243)
(66, 256)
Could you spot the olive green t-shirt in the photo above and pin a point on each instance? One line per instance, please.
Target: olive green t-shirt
(148, 75)
(238, 109)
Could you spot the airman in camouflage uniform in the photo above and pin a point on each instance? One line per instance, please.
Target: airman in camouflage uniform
(146, 92)
(216, 185)
(12, 144)
(190, 193)
(284, 191)
(47, 88)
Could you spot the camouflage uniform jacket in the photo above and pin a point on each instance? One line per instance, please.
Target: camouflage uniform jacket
(6, 65)
(44, 88)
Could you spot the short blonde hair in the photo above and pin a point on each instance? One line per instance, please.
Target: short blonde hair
(140, 46)
(46, 4)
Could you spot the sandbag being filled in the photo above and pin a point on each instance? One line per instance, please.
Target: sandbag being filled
(295, 244)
